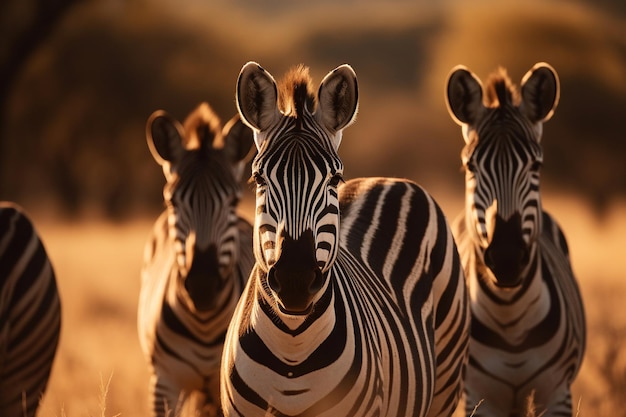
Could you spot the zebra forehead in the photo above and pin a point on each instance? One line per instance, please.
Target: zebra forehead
(500, 90)
(299, 151)
(295, 92)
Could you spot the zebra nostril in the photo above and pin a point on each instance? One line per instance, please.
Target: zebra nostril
(489, 261)
(525, 258)
(317, 282)
(272, 281)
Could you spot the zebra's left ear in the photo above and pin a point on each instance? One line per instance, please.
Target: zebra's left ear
(238, 144)
(257, 100)
(338, 100)
(540, 92)
(464, 96)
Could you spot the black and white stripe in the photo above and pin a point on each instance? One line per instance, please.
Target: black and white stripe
(30, 314)
(197, 259)
(528, 325)
(356, 305)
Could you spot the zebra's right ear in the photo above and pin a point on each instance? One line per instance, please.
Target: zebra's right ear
(257, 100)
(165, 135)
(464, 96)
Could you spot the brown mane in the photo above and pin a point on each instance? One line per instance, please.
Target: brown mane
(500, 90)
(201, 127)
(295, 92)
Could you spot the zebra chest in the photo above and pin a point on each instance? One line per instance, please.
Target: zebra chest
(345, 362)
(513, 340)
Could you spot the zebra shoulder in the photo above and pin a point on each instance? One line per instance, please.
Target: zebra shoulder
(552, 231)
(380, 208)
(366, 193)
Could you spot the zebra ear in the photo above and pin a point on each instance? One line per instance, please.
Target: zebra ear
(257, 99)
(165, 136)
(338, 99)
(464, 96)
(540, 92)
(238, 144)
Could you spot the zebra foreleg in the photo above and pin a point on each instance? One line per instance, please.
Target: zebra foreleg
(166, 397)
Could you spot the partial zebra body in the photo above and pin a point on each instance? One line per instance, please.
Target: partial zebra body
(196, 261)
(538, 349)
(378, 342)
(185, 344)
(528, 324)
(30, 314)
(356, 305)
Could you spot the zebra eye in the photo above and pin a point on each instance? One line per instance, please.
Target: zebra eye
(470, 166)
(536, 166)
(335, 180)
(258, 179)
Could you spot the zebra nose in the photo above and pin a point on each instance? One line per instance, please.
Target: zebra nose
(203, 280)
(507, 254)
(295, 278)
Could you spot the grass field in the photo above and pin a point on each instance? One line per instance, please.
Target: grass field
(100, 371)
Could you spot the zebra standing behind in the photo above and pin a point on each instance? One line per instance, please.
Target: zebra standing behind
(356, 305)
(528, 325)
(198, 257)
(30, 314)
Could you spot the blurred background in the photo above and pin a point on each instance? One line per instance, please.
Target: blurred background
(79, 78)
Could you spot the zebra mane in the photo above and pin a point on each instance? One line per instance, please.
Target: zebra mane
(295, 92)
(201, 127)
(500, 90)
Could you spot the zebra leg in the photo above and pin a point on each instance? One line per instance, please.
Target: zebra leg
(166, 397)
(202, 405)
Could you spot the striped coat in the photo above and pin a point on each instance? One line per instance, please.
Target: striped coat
(356, 305)
(528, 324)
(30, 314)
(196, 260)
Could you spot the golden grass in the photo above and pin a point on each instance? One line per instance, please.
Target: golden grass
(99, 370)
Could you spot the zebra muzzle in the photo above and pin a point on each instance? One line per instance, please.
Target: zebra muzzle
(203, 281)
(296, 278)
(508, 254)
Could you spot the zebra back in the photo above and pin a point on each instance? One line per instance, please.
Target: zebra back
(197, 258)
(30, 314)
(528, 327)
(356, 305)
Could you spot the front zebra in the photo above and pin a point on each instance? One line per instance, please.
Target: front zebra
(528, 327)
(30, 314)
(197, 259)
(356, 305)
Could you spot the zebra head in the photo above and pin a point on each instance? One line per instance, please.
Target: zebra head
(502, 158)
(202, 164)
(297, 171)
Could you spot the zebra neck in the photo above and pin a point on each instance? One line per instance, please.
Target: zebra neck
(293, 337)
(511, 313)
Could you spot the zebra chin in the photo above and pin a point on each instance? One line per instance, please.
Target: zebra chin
(295, 291)
(507, 268)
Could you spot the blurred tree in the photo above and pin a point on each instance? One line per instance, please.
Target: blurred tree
(24, 27)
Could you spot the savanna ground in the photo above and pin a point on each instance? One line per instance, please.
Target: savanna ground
(99, 370)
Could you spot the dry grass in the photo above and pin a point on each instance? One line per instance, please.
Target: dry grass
(100, 371)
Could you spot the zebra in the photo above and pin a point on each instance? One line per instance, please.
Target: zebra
(30, 314)
(197, 259)
(357, 303)
(528, 322)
